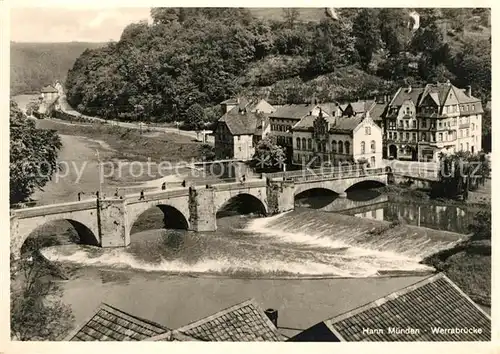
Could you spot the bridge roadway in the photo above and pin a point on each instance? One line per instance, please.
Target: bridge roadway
(108, 222)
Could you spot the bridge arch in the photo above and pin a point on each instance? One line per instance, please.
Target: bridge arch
(86, 233)
(173, 218)
(375, 182)
(243, 202)
(175, 213)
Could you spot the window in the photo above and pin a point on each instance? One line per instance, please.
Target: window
(473, 126)
(473, 107)
(341, 147)
(467, 146)
(466, 107)
(414, 124)
(414, 137)
(334, 146)
(423, 123)
(461, 147)
(372, 146)
(239, 138)
(467, 133)
(368, 130)
(304, 144)
(407, 136)
(407, 123)
(423, 137)
(239, 148)
(372, 161)
(440, 124)
(401, 124)
(347, 147)
(440, 137)
(298, 143)
(309, 144)
(362, 147)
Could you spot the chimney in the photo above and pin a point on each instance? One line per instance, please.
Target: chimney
(272, 314)
(469, 91)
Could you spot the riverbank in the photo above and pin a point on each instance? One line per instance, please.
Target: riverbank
(131, 144)
(468, 263)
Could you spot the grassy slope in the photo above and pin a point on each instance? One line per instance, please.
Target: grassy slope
(34, 65)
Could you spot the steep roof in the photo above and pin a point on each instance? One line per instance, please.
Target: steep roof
(49, 89)
(244, 322)
(433, 303)
(346, 125)
(241, 121)
(329, 107)
(293, 111)
(377, 111)
(362, 106)
(307, 122)
(110, 324)
(403, 95)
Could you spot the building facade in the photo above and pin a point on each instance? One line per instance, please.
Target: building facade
(240, 129)
(325, 140)
(423, 122)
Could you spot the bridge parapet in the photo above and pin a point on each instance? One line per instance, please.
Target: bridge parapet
(54, 209)
(255, 183)
(339, 175)
(157, 195)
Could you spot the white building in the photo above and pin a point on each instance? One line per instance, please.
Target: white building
(332, 140)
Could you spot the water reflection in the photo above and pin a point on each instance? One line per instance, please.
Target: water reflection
(371, 204)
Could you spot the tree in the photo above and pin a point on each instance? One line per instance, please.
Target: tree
(165, 15)
(481, 225)
(33, 155)
(36, 311)
(268, 156)
(291, 15)
(367, 33)
(207, 152)
(195, 117)
(459, 173)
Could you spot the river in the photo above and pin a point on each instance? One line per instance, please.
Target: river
(324, 253)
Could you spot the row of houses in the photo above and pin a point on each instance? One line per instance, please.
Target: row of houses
(414, 124)
(433, 309)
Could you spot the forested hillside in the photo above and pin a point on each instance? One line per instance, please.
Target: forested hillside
(204, 56)
(34, 65)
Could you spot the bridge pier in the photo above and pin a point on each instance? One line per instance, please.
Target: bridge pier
(202, 213)
(343, 195)
(112, 222)
(280, 196)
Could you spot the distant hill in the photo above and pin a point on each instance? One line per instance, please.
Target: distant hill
(34, 65)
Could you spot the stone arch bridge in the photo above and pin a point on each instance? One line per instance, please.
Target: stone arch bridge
(108, 222)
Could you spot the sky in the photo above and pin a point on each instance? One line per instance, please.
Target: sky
(71, 24)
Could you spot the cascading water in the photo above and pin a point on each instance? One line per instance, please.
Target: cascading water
(300, 243)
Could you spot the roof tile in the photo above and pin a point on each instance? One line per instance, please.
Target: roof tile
(110, 324)
(433, 302)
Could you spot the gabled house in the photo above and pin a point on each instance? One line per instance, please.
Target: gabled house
(322, 139)
(434, 309)
(422, 122)
(239, 130)
(111, 324)
(358, 108)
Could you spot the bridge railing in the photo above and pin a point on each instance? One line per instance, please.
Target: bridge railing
(315, 172)
(339, 175)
